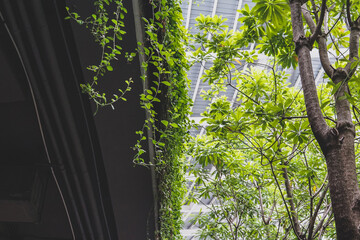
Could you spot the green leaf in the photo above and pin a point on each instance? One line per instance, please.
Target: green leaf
(325, 103)
(166, 123)
(166, 83)
(174, 125)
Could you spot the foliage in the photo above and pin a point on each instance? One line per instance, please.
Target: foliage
(255, 148)
(166, 65)
(107, 31)
(258, 160)
(165, 97)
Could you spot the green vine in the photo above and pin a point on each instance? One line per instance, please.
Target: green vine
(165, 97)
(167, 94)
(107, 31)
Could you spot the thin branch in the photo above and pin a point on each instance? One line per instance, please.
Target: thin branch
(321, 227)
(317, 30)
(354, 46)
(337, 48)
(262, 207)
(290, 199)
(357, 110)
(322, 186)
(314, 10)
(313, 218)
(283, 198)
(337, 20)
(271, 211)
(248, 97)
(262, 212)
(321, 39)
(293, 117)
(348, 4)
(310, 190)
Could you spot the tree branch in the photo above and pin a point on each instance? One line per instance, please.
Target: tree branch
(348, 4)
(290, 198)
(321, 39)
(289, 213)
(316, 118)
(262, 212)
(327, 32)
(317, 29)
(262, 207)
(354, 45)
(314, 10)
(313, 218)
(322, 226)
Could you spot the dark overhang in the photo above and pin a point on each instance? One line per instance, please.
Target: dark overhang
(50, 139)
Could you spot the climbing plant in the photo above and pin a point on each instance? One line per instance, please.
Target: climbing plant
(107, 31)
(166, 66)
(165, 98)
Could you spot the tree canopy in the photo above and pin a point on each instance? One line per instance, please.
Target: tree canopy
(280, 162)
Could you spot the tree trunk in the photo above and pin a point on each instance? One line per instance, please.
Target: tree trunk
(340, 160)
(337, 144)
(344, 191)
